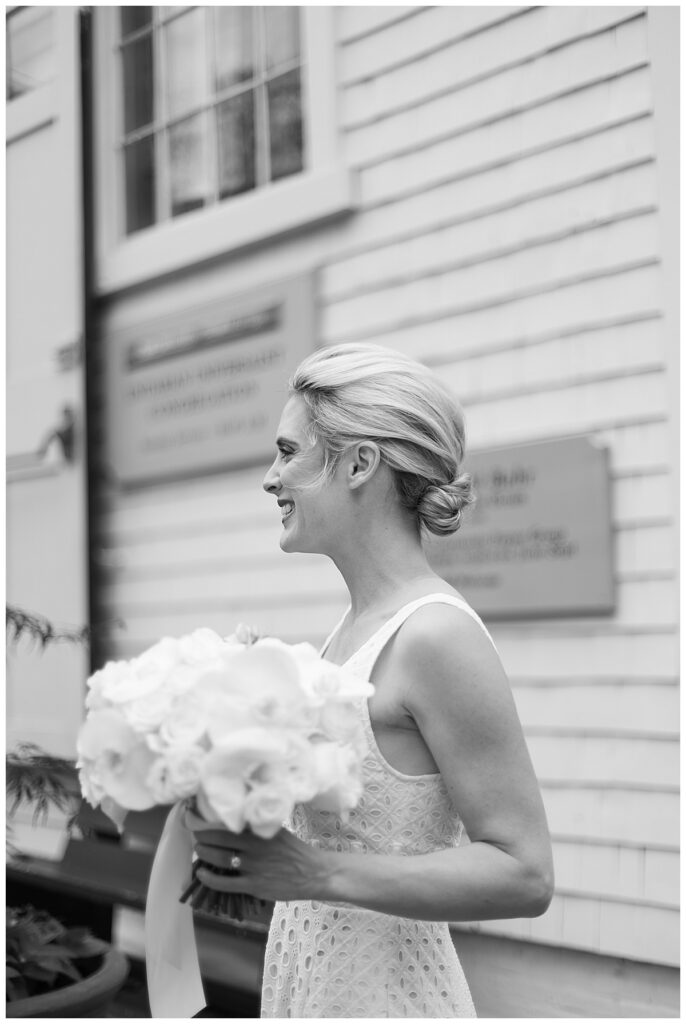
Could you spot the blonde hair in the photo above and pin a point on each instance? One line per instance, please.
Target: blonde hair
(356, 392)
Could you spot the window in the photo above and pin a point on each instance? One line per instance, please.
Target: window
(29, 49)
(211, 106)
(239, 146)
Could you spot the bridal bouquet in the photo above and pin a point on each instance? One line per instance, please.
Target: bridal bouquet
(242, 728)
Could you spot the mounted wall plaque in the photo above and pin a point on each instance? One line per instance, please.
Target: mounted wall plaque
(204, 391)
(538, 542)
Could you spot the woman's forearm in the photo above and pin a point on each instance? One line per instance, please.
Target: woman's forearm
(471, 883)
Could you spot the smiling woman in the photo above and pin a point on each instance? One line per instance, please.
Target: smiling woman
(369, 451)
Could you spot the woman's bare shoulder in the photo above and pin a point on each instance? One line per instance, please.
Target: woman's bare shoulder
(445, 646)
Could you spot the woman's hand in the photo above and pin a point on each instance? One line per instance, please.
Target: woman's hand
(281, 868)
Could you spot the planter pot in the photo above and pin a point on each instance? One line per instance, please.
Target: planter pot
(81, 998)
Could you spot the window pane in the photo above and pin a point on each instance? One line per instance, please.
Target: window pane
(188, 165)
(285, 125)
(139, 169)
(133, 18)
(138, 84)
(30, 50)
(233, 46)
(236, 144)
(186, 62)
(282, 29)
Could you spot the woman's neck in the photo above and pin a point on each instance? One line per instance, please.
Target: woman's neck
(383, 563)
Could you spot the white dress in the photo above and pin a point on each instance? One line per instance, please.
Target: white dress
(336, 960)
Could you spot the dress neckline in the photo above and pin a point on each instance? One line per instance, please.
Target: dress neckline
(426, 599)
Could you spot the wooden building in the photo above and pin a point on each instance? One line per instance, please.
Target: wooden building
(493, 190)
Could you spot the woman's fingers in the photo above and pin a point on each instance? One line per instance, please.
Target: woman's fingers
(219, 858)
(222, 883)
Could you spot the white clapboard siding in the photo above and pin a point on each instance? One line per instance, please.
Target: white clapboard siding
(224, 508)
(469, 196)
(578, 408)
(206, 585)
(621, 707)
(460, 60)
(629, 656)
(639, 499)
(610, 759)
(624, 816)
(526, 271)
(404, 41)
(621, 929)
(637, 449)
(649, 552)
(522, 88)
(619, 349)
(630, 874)
(583, 205)
(354, 23)
(506, 141)
(621, 293)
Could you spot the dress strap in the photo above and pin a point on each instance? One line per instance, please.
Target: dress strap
(325, 645)
(367, 655)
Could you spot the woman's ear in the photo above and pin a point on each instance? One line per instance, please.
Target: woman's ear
(365, 459)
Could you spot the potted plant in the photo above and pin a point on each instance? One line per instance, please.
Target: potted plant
(53, 970)
(56, 971)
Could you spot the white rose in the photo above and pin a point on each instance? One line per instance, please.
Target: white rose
(228, 716)
(200, 646)
(266, 809)
(147, 713)
(90, 781)
(296, 772)
(222, 799)
(108, 680)
(182, 679)
(119, 758)
(176, 775)
(339, 778)
(340, 722)
(268, 678)
(186, 724)
(329, 682)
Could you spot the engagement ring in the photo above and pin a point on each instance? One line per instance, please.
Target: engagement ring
(235, 862)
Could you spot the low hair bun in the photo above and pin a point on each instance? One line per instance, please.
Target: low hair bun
(440, 507)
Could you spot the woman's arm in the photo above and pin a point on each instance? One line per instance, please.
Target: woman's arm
(456, 690)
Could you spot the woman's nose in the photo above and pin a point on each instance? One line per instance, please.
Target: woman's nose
(271, 480)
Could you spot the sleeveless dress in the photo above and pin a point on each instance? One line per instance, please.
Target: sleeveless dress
(338, 960)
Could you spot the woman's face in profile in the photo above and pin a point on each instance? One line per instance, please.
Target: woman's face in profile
(308, 513)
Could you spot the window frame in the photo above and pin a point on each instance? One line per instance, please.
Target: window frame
(34, 109)
(324, 189)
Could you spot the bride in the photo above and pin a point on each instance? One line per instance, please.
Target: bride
(451, 825)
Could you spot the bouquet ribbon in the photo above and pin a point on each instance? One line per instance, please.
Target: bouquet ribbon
(171, 956)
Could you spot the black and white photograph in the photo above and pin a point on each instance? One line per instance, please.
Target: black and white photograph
(342, 511)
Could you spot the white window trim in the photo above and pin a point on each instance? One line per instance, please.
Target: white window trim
(324, 190)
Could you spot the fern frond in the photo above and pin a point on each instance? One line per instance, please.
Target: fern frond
(34, 777)
(37, 629)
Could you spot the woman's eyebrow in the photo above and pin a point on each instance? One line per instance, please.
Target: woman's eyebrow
(286, 441)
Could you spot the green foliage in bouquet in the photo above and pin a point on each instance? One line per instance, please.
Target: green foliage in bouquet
(43, 955)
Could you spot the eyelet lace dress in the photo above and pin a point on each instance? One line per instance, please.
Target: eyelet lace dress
(337, 960)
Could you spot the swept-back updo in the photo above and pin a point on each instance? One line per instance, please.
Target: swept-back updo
(357, 392)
